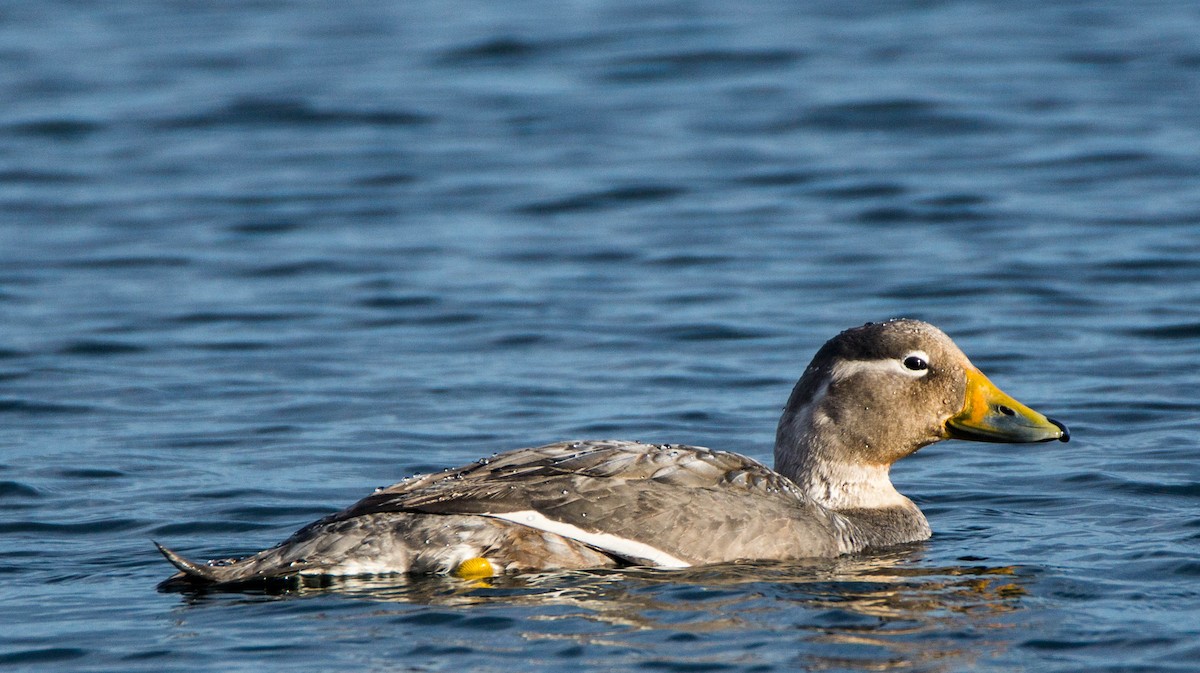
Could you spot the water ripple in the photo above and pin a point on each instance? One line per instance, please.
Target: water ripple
(272, 112)
(16, 489)
(42, 655)
(101, 348)
(56, 129)
(691, 65)
(1185, 331)
(11, 406)
(507, 51)
(896, 116)
(98, 528)
(602, 200)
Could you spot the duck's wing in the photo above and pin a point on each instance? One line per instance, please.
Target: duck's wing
(666, 505)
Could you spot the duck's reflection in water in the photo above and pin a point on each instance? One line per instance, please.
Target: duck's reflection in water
(885, 611)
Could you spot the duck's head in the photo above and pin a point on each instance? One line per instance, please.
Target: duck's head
(876, 393)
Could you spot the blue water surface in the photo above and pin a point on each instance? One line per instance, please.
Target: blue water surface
(259, 258)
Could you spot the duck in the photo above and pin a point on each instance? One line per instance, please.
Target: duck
(871, 396)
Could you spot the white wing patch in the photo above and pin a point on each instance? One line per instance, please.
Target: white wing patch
(604, 541)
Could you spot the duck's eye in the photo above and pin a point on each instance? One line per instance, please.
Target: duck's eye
(916, 363)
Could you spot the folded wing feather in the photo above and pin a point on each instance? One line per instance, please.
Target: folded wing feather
(668, 505)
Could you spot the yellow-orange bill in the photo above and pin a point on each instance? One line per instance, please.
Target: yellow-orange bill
(990, 415)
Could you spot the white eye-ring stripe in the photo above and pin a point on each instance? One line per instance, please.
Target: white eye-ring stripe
(847, 368)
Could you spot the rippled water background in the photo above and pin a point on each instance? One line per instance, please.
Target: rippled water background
(259, 258)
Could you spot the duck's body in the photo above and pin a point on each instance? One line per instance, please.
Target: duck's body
(871, 396)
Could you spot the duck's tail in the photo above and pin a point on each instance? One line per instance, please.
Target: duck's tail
(190, 573)
(191, 569)
(194, 575)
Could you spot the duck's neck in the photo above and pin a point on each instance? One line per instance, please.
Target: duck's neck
(845, 486)
(811, 451)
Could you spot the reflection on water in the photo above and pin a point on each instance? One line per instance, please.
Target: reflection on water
(878, 612)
